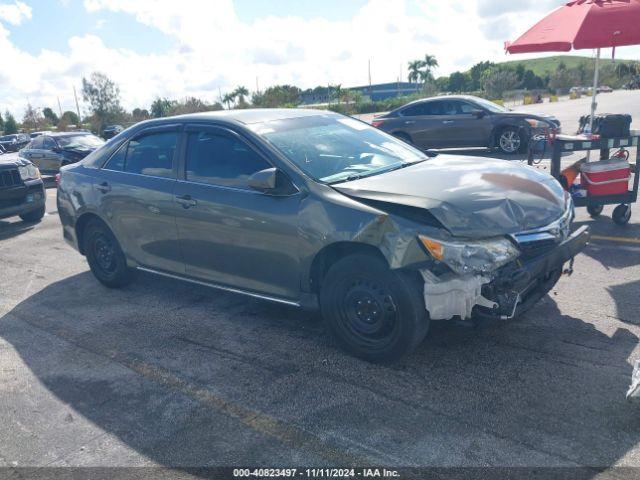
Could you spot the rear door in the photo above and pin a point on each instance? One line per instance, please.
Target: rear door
(51, 159)
(34, 152)
(136, 195)
(423, 123)
(231, 234)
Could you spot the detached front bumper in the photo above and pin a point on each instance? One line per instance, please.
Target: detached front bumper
(516, 287)
(505, 293)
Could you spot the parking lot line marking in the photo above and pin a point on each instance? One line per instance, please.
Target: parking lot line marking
(293, 436)
(635, 241)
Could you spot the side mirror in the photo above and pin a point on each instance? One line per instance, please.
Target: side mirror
(264, 180)
(478, 113)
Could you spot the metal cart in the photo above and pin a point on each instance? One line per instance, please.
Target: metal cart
(563, 144)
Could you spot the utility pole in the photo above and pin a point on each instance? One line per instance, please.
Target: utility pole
(75, 96)
(369, 76)
(59, 107)
(257, 86)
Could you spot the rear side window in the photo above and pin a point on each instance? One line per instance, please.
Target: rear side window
(36, 143)
(219, 159)
(48, 143)
(428, 108)
(148, 155)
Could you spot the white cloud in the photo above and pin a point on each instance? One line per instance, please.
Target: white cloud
(213, 49)
(14, 13)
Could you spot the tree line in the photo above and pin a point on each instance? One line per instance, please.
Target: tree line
(490, 80)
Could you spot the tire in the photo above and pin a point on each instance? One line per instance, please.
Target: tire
(34, 216)
(374, 313)
(621, 214)
(105, 257)
(511, 140)
(594, 210)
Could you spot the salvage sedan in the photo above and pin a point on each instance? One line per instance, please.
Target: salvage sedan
(315, 209)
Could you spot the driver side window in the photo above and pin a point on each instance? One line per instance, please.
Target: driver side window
(219, 159)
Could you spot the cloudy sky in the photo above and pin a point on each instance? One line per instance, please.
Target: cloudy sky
(176, 48)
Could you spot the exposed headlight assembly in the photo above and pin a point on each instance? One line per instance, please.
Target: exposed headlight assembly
(473, 256)
(29, 172)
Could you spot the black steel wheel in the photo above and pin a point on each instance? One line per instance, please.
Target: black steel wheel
(373, 312)
(594, 210)
(105, 257)
(622, 214)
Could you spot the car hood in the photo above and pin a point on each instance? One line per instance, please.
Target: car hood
(12, 160)
(470, 196)
(538, 116)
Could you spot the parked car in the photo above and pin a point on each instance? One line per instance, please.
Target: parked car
(463, 121)
(111, 131)
(37, 134)
(604, 89)
(311, 208)
(51, 151)
(21, 189)
(14, 141)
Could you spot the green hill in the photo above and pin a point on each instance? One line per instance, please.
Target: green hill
(545, 65)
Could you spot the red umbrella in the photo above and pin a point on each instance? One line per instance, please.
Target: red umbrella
(583, 24)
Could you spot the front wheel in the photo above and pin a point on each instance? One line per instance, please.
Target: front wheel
(375, 313)
(105, 257)
(33, 216)
(511, 140)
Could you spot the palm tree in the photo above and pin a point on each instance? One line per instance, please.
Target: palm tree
(429, 63)
(229, 98)
(415, 68)
(241, 93)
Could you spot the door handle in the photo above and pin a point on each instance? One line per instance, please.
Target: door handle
(447, 122)
(104, 187)
(186, 201)
(409, 122)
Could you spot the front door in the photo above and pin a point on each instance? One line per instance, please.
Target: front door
(136, 196)
(231, 234)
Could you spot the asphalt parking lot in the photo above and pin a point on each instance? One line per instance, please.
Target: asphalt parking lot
(168, 374)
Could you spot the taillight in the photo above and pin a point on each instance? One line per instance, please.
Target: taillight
(377, 123)
(57, 179)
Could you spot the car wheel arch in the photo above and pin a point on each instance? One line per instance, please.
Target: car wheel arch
(333, 252)
(498, 129)
(81, 225)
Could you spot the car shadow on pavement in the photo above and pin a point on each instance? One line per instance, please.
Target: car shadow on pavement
(13, 229)
(183, 376)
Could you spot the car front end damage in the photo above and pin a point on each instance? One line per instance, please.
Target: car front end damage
(502, 277)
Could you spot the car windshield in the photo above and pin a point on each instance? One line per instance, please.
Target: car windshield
(492, 107)
(80, 141)
(332, 148)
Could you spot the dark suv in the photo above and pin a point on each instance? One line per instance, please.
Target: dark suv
(312, 208)
(21, 189)
(463, 121)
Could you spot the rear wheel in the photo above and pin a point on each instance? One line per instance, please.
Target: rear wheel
(373, 312)
(33, 216)
(105, 257)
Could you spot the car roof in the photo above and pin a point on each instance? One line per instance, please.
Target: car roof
(65, 134)
(246, 116)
